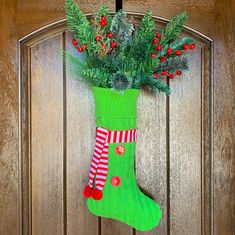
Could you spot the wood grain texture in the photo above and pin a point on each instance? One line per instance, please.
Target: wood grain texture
(47, 137)
(9, 207)
(201, 12)
(33, 14)
(151, 152)
(80, 142)
(213, 18)
(110, 226)
(185, 150)
(224, 119)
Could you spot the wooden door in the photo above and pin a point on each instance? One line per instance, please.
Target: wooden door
(47, 126)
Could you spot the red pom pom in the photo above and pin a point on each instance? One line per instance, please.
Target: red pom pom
(103, 18)
(155, 75)
(79, 49)
(164, 73)
(87, 191)
(178, 72)
(169, 50)
(192, 46)
(178, 52)
(98, 38)
(171, 75)
(155, 41)
(113, 44)
(158, 48)
(103, 23)
(186, 47)
(158, 35)
(163, 59)
(74, 41)
(153, 55)
(110, 35)
(97, 194)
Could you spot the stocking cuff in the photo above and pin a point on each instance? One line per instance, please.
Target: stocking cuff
(112, 104)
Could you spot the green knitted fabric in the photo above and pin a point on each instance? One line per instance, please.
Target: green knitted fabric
(126, 203)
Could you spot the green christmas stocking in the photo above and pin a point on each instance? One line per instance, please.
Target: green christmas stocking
(112, 190)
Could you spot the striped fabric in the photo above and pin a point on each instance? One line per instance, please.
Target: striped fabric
(99, 163)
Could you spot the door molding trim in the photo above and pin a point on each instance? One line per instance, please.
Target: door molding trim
(136, 15)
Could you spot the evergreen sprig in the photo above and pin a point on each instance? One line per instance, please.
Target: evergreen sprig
(173, 28)
(173, 64)
(122, 29)
(156, 85)
(121, 58)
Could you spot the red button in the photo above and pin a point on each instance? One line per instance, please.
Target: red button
(120, 150)
(115, 181)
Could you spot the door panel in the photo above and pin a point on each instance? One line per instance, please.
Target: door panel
(62, 121)
(46, 119)
(80, 129)
(190, 164)
(185, 140)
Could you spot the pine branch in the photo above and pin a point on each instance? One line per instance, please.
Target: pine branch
(142, 46)
(78, 23)
(75, 18)
(177, 44)
(121, 81)
(97, 76)
(121, 29)
(173, 64)
(173, 28)
(156, 85)
(103, 11)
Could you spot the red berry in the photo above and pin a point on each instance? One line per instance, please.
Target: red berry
(169, 50)
(103, 18)
(103, 45)
(103, 23)
(98, 38)
(153, 55)
(155, 75)
(158, 35)
(155, 41)
(186, 46)
(110, 35)
(113, 44)
(84, 47)
(192, 46)
(178, 52)
(164, 73)
(171, 75)
(158, 48)
(74, 41)
(163, 59)
(178, 72)
(79, 49)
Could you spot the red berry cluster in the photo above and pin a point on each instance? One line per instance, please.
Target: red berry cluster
(79, 48)
(103, 21)
(164, 58)
(113, 44)
(169, 75)
(155, 42)
(169, 50)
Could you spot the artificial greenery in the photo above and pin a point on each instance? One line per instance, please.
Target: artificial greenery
(113, 55)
